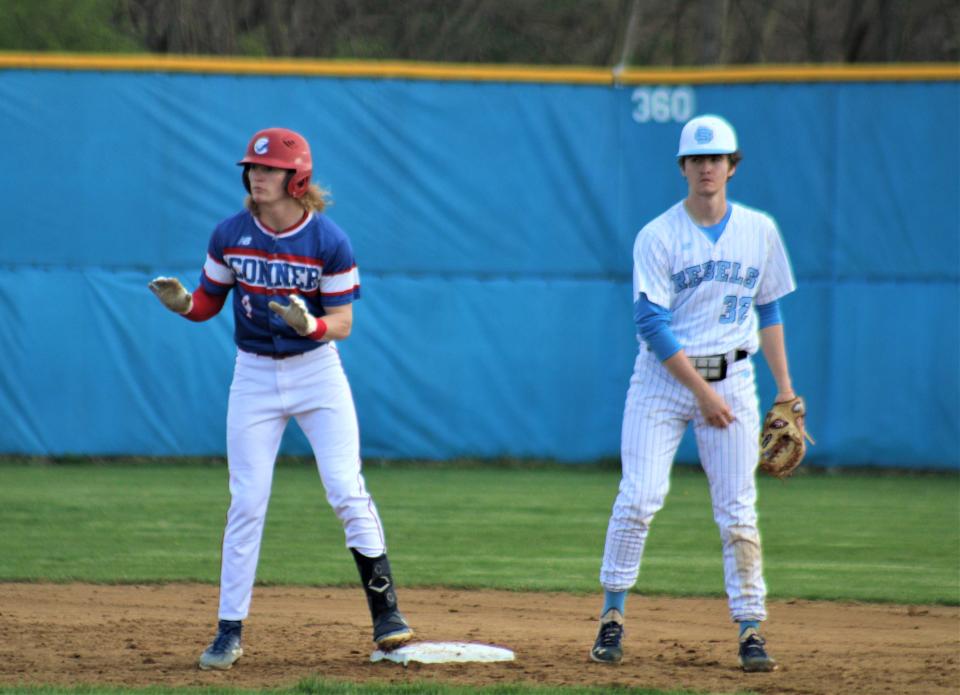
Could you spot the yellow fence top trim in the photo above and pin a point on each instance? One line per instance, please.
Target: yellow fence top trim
(464, 72)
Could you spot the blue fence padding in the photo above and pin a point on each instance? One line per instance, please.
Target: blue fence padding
(898, 207)
(493, 225)
(894, 384)
(501, 367)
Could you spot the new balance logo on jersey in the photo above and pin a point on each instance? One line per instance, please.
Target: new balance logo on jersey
(719, 271)
(255, 272)
(245, 241)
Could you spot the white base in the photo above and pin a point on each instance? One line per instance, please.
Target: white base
(443, 652)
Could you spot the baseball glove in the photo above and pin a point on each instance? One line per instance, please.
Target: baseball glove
(782, 445)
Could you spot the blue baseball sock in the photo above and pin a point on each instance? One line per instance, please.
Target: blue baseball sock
(747, 624)
(614, 599)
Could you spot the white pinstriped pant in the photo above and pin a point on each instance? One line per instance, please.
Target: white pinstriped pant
(657, 411)
(264, 395)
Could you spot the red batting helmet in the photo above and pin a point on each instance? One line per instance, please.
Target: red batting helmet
(282, 149)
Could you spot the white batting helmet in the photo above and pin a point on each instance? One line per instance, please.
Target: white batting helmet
(707, 135)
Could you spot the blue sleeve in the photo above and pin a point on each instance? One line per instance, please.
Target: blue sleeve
(769, 313)
(216, 277)
(340, 283)
(653, 325)
(339, 257)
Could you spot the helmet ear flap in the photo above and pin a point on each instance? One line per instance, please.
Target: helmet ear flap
(246, 177)
(297, 185)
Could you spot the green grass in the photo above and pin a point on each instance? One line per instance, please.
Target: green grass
(327, 687)
(857, 537)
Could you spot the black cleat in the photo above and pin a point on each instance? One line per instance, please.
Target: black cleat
(753, 657)
(607, 649)
(390, 631)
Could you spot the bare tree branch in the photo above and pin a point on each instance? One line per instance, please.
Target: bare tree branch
(588, 32)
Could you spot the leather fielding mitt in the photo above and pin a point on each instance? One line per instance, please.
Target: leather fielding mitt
(782, 445)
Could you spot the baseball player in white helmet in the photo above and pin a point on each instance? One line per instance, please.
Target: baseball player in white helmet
(294, 279)
(707, 277)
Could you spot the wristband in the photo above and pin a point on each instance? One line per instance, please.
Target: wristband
(319, 331)
(205, 305)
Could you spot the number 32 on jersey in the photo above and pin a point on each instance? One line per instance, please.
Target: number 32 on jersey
(735, 309)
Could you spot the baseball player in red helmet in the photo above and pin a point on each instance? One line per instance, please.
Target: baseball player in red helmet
(294, 279)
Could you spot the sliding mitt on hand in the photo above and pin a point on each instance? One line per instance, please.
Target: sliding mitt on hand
(172, 293)
(296, 314)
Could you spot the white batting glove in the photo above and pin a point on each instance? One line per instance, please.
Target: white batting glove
(296, 315)
(173, 295)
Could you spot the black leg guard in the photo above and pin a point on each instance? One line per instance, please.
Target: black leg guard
(390, 629)
(377, 582)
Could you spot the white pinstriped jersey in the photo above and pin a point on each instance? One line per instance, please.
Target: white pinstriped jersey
(712, 287)
(313, 259)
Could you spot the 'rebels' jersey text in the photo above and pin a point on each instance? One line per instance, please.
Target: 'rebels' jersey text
(711, 288)
(313, 259)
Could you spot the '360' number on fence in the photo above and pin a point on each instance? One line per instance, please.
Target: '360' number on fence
(663, 104)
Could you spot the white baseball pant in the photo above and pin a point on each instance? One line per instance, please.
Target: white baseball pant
(657, 411)
(264, 395)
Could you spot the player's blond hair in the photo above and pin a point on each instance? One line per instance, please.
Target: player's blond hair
(315, 199)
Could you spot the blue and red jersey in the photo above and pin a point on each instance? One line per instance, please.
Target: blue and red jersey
(312, 259)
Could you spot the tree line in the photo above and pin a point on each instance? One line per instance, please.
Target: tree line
(562, 32)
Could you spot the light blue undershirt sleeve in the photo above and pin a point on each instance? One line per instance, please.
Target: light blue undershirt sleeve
(653, 325)
(769, 313)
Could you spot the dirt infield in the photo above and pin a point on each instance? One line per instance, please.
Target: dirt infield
(152, 635)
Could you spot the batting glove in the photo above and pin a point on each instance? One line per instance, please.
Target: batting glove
(296, 315)
(173, 295)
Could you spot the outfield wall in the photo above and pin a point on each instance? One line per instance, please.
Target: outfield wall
(492, 214)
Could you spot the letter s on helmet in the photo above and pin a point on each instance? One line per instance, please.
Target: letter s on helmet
(282, 149)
